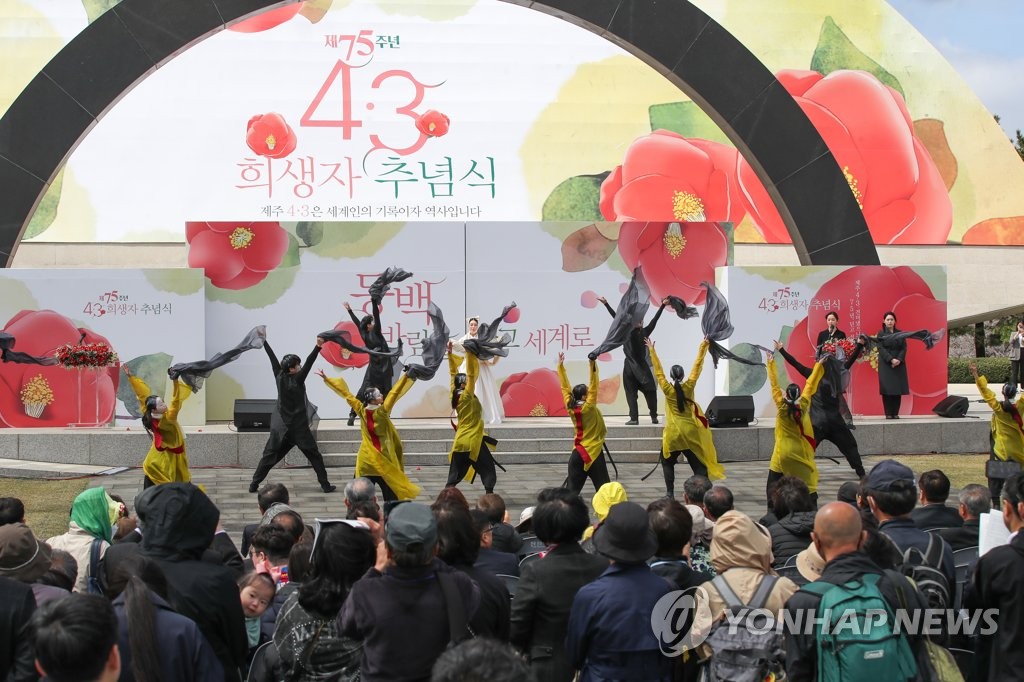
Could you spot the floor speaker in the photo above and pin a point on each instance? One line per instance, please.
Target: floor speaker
(730, 410)
(952, 406)
(253, 415)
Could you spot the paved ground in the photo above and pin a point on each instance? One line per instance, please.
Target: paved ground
(228, 487)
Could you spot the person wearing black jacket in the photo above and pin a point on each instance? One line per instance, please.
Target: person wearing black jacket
(637, 376)
(17, 657)
(826, 416)
(379, 370)
(830, 334)
(795, 509)
(289, 425)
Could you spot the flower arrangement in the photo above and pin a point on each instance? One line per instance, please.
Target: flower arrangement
(834, 347)
(36, 395)
(73, 356)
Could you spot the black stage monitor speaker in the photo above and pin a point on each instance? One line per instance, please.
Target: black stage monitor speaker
(730, 410)
(253, 415)
(952, 406)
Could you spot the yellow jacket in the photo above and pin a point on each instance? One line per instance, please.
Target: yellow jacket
(380, 452)
(469, 432)
(166, 461)
(1008, 438)
(685, 426)
(794, 443)
(586, 419)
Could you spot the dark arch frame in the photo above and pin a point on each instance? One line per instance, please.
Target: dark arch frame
(135, 37)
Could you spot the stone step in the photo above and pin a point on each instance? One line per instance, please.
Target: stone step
(563, 431)
(561, 445)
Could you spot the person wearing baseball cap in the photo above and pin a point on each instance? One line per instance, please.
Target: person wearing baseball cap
(891, 492)
(26, 558)
(609, 634)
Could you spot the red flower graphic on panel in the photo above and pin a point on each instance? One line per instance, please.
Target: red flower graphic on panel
(432, 123)
(39, 333)
(338, 356)
(667, 177)
(867, 127)
(267, 20)
(235, 255)
(536, 393)
(675, 257)
(270, 135)
(879, 289)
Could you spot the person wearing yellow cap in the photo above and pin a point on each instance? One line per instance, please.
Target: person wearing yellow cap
(587, 458)
(606, 497)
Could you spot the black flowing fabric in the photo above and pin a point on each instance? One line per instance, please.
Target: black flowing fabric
(344, 339)
(8, 355)
(192, 374)
(382, 284)
(628, 315)
(928, 338)
(487, 343)
(682, 310)
(836, 378)
(717, 326)
(433, 347)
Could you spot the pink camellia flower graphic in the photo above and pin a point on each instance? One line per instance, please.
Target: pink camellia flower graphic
(432, 123)
(865, 293)
(667, 177)
(340, 357)
(536, 393)
(675, 257)
(235, 255)
(267, 20)
(270, 135)
(39, 333)
(513, 315)
(867, 127)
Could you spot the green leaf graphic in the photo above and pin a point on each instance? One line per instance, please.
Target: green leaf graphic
(94, 8)
(291, 256)
(311, 234)
(353, 240)
(835, 51)
(687, 119)
(746, 379)
(577, 198)
(221, 393)
(47, 209)
(176, 280)
(259, 295)
(150, 368)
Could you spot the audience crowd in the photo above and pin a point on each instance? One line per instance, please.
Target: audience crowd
(455, 591)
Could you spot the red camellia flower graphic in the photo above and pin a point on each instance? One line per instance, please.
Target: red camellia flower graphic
(267, 20)
(270, 135)
(338, 356)
(536, 393)
(675, 257)
(865, 293)
(432, 123)
(235, 255)
(39, 333)
(668, 177)
(867, 127)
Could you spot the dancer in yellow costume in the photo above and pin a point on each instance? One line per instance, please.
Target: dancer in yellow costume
(686, 428)
(469, 451)
(587, 458)
(166, 461)
(380, 452)
(794, 434)
(1006, 434)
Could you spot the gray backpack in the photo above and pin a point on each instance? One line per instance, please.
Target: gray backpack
(739, 653)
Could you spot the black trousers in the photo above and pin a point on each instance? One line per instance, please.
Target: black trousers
(844, 409)
(891, 404)
(385, 490)
(484, 466)
(598, 472)
(834, 428)
(631, 386)
(1015, 374)
(280, 444)
(668, 468)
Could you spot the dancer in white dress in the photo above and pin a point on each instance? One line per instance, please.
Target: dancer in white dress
(486, 387)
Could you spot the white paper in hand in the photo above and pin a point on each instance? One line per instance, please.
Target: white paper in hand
(992, 532)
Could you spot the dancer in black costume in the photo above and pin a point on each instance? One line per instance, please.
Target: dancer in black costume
(637, 376)
(831, 334)
(826, 416)
(380, 370)
(289, 425)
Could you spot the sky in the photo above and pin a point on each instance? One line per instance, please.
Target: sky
(982, 40)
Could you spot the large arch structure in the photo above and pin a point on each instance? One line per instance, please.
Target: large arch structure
(135, 37)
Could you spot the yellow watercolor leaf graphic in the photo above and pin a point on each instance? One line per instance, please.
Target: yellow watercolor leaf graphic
(687, 119)
(47, 209)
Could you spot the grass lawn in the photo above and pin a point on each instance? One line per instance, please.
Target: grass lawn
(961, 469)
(47, 503)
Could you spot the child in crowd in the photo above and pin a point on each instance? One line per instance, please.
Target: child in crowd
(256, 590)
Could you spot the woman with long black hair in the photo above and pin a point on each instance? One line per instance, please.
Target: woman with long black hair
(1006, 434)
(686, 429)
(793, 454)
(893, 383)
(469, 450)
(587, 458)
(166, 461)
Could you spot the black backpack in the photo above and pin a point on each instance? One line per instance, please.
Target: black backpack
(925, 569)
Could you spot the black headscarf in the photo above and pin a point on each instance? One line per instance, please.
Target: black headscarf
(193, 374)
(717, 326)
(8, 355)
(628, 315)
(433, 347)
(382, 284)
(487, 343)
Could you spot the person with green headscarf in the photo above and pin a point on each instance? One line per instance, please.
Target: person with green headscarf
(93, 515)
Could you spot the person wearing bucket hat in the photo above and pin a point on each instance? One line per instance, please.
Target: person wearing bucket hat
(531, 544)
(609, 635)
(604, 499)
(26, 558)
(93, 515)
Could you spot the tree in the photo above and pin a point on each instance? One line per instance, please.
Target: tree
(1018, 144)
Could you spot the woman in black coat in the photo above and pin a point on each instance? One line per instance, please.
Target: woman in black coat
(892, 369)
